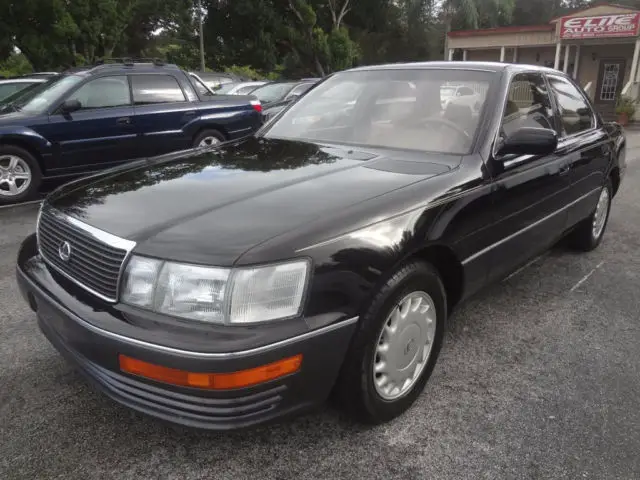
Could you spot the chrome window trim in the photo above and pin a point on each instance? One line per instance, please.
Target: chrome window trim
(101, 236)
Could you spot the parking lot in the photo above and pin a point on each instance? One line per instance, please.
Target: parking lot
(539, 378)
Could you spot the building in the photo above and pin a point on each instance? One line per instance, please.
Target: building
(598, 46)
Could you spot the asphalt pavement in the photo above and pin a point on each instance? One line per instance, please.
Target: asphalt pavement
(539, 377)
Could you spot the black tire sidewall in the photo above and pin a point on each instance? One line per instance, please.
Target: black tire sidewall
(416, 276)
(36, 174)
(208, 133)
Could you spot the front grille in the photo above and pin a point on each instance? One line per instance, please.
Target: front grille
(93, 263)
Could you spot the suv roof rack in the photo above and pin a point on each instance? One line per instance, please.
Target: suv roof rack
(130, 61)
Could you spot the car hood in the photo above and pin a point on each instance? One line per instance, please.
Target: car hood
(10, 117)
(212, 206)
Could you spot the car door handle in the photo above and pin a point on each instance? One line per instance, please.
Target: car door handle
(123, 121)
(564, 169)
(190, 113)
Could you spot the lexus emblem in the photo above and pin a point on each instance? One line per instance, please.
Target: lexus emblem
(64, 250)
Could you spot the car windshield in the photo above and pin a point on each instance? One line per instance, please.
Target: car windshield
(11, 88)
(273, 92)
(388, 108)
(40, 98)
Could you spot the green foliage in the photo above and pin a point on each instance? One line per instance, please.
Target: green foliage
(15, 64)
(258, 38)
(625, 105)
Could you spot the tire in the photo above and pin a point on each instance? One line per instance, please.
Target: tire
(205, 135)
(20, 175)
(355, 389)
(586, 236)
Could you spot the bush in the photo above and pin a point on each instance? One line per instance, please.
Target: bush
(16, 64)
(626, 105)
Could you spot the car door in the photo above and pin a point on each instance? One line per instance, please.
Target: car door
(101, 132)
(530, 191)
(162, 112)
(584, 142)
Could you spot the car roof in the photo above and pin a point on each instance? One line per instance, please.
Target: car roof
(487, 66)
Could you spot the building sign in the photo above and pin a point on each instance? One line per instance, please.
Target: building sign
(621, 25)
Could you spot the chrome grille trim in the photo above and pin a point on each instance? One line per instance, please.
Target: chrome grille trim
(92, 240)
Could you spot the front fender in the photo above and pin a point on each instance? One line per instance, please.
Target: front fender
(25, 137)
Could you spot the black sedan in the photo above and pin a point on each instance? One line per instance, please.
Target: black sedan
(227, 286)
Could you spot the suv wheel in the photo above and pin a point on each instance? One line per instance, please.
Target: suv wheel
(20, 175)
(396, 345)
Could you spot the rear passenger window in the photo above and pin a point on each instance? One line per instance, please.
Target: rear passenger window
(528, 104)
(575, 113)
(150, 89)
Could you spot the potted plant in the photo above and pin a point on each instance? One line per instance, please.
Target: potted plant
(625, 109)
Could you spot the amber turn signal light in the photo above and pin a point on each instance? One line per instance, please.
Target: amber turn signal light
(212, 381)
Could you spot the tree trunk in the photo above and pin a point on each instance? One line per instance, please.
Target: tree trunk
(447, 29)
(319, 68)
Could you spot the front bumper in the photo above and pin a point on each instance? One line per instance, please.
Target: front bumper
(65, 321)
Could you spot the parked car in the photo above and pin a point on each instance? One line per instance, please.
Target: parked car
(12, 86)
(215, 80)
(240, 88)
(460, 95)
(233, 285)
(92, 118)
(276, 96)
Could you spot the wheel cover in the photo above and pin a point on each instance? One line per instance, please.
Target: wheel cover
(404, 345)
(15, 176)
(209, 141)
(600, 215)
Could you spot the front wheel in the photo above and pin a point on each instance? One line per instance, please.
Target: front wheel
(20, 175)
(396, 345)
(588, 234)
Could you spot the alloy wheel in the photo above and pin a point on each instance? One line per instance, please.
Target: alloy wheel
(600, 215)
(15, 176)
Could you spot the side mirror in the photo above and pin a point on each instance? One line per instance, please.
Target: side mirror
(529, 141)
(70, 106)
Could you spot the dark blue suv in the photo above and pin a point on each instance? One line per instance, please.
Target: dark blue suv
(93, 118)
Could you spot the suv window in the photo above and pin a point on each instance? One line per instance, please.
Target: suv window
(150, 89)
(528, 104)
(465, 92)
(103, 92)
(575, 113)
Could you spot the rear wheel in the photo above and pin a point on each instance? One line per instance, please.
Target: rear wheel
(588, 234)
(396, 345)
(20, 175)
(208, 138)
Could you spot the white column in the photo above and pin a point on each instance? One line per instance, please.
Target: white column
(450, 54)
(556, 62)
(633, 76)
(577, 61)
(464, 55)
(502, 51)
(565, 67)
(515, 55)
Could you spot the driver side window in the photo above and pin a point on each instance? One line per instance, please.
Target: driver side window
(103, 92)
(528, 104)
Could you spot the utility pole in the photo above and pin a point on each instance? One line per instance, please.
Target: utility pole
(202, 67)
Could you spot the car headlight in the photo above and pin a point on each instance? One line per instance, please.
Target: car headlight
(216, 295)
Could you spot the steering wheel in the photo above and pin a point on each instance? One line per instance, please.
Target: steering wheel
(447, 123)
